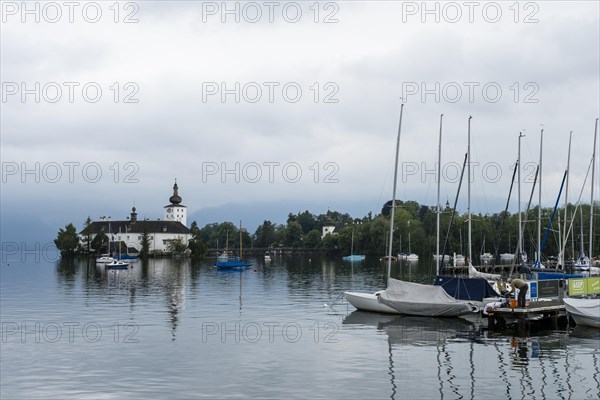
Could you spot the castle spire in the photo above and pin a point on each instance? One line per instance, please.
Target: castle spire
(175, 199)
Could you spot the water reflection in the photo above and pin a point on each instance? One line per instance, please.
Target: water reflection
(172, 301)
(143, 280)
(472, 364)
(438, 333)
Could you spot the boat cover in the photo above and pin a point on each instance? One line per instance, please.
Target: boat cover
(584, 311)
(423, 300)
(473, 273)
(466, 288)
(548, 276)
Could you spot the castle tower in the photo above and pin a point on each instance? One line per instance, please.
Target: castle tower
(176, 211)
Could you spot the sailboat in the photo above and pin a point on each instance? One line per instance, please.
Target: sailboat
(105, 258)
(224, 256)
(411, 256)
(587, 311)
(116, 263)
(234, 262)
(353, 257)
(406, 297)
(583, 261)
(370, 301)
(584, 311)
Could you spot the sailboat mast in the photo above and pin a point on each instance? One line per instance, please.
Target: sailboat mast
(241, 255)
(389, 261)
(409, 251)
(581, 232)
(439, 178)
(520, 249)
(539, 227)
(563, 256)
(591, 255)
(469, 191)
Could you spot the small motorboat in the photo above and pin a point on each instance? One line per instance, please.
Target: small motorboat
(117, 264)
(104, 259)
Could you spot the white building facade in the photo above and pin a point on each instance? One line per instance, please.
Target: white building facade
(127, 234)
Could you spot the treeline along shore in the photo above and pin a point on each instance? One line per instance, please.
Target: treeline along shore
(414, 231)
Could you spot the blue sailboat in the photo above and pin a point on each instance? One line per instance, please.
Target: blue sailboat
(353, 257)
(233, 262)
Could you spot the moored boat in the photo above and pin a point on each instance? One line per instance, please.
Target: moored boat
(117, 264)
(424, 300)
(584, 311)
(104, 259)
(354, 257)
(232, 263)
(368, 302)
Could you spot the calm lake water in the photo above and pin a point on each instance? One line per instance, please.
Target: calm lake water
(180, 329)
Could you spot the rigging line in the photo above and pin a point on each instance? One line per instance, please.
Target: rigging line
(503, 219)
(578, 204)
(524, 223)
(453, 211)
(549, 227)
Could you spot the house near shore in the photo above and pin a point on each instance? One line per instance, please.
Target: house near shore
(127, 234)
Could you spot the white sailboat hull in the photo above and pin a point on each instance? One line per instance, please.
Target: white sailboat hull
(368, 302)
(584, 311)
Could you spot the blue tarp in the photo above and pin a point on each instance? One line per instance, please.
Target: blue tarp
(466, 288)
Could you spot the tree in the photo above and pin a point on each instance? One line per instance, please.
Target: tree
(293, 234)
(145, 244)
(176, 246)
(196, 232)
(99, 242)
(265, 234)
(67, 240)
(307, 221)
(87, 239)
(330, 244)
(196, 246)
(312, 240)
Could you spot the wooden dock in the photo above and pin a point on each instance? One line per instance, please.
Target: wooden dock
(537, 316)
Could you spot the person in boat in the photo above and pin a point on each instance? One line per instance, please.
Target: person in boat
(522, 286)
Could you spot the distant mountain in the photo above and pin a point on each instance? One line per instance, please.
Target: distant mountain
(28, 229)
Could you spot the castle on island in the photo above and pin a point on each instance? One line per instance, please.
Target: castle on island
(128, 233)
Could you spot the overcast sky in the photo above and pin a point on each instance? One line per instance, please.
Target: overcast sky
(266, 108)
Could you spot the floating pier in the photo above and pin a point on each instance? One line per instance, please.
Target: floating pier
(539, 315)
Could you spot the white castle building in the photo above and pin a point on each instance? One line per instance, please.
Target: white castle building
(129, 232)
